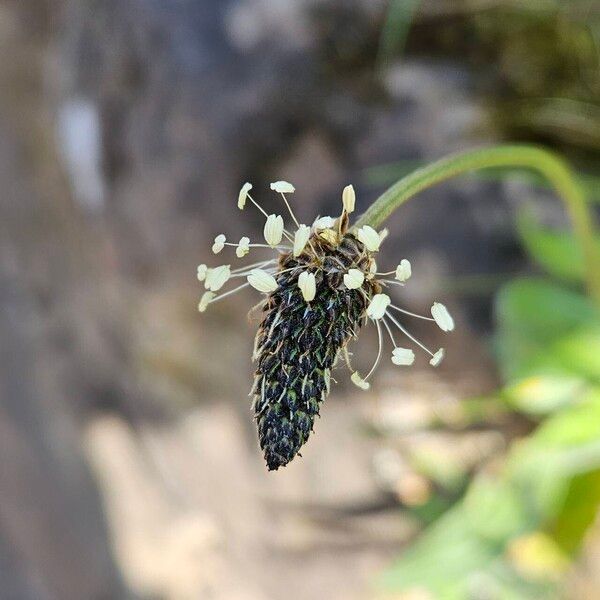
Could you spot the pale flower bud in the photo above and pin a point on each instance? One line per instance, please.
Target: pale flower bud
(243, 195)
(437, 358)
(324, 223)
(378, 306)
(358, 381)
(283, 187)
(262, 281)
(216, 278)
(308, 285)
(349, 199)
(301, 239)
(403, 270)
(243, 247)
(219, 243)
(442, 317)
(273, 230)
(403, 356)
(202, 270)
(353, 279)
(369, 237)
(205, 301)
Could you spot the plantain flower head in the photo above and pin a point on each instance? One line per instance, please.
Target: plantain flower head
(319, 290)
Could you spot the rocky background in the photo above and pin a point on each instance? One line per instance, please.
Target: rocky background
(129, 462)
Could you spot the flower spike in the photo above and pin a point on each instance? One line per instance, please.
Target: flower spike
(320, 289)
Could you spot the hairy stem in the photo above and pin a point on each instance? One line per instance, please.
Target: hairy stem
(553, 168)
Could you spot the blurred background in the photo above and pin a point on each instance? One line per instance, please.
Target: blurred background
(129, 462)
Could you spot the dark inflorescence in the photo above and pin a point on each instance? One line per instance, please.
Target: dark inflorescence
(320, 289)
(298, 343)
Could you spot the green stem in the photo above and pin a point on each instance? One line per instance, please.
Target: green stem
(553, 168)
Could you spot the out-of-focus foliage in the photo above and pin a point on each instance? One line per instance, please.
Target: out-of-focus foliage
(523, 518)
(396, 27)
(539, 61)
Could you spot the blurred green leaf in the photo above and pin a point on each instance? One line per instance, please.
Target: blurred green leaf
(544, 393)
(566, 445)
(494, 540)
(397, 24)
(580, 352)
(577, 425)
(494, 509)
(579, 511)
(558, 253)
(531, 315)
(442, 559)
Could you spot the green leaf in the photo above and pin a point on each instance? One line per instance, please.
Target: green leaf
(533, 313)
(544, 393)
(442, 559)
(578, 512)
(580, 352)
(575, 426)
(494, 509)
(566, 445)
(558, 253)
(397, 24)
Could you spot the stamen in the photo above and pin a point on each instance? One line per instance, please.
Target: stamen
(403, 270)
(290, 209)
(243, 195)
(379, 351)
(229, 293)
(256, 264)
(409, 336)
(389, 330)
(406, 312)
(280, 247)
(347, 358)
(271, 270)
(324, 223)
(283, 187)
(348, 199)
(257, 205)
(262, 281)
(391, 282)
(219, 243)
(307, 285)
(369, 237)
(378, 306)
